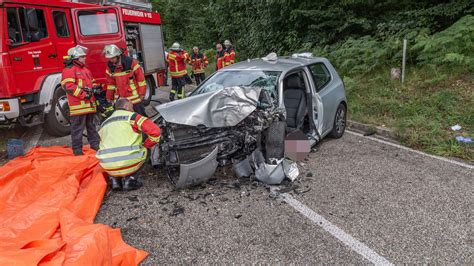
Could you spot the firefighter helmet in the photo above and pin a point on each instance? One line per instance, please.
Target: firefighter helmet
(112, 51)
(227, 43)
(175, 47)
(76, 52)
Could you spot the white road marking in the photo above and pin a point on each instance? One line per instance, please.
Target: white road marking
(468, 166)
(335, 231)
(31, 137)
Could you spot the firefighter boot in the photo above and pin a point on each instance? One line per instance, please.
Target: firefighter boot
(78, 152)
(172, 93)
(131, 183)
(114, 183)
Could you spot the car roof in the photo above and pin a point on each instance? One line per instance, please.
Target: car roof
(284, 64)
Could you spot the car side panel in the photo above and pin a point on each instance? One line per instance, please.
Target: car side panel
(332, 94)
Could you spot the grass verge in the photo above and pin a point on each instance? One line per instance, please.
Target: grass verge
(421, 111)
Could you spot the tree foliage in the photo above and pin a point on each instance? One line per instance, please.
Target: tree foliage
(262, 26)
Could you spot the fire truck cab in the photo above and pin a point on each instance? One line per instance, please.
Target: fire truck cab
(38, 33)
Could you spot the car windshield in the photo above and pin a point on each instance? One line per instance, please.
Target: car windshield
(246, 78)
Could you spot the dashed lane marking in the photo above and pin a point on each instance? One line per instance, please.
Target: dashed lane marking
(335, 231)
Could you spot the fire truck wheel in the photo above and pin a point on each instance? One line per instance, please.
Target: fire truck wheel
(57, 120)
(150, 86)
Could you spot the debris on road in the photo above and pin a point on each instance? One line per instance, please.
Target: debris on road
(463, 139)
(177, 210)
(291, 170)
(456, 127)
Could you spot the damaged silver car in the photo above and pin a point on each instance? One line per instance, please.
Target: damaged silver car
(241, 114)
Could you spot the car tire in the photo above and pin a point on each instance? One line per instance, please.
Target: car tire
(339, 124)
(275, 141)
(150, 86)
(56, 123)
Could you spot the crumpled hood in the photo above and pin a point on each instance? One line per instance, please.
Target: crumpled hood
(221, 108)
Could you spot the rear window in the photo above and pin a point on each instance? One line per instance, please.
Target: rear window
(98, 22)
(321, 75)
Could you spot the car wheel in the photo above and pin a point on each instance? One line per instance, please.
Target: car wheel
(339, 125)
(57, 120)
(150, 86)
(275, 141)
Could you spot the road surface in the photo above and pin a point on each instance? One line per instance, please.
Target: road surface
(357, 200)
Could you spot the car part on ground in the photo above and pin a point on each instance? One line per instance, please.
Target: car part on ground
(197, 172)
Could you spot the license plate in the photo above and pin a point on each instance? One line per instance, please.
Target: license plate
(3, 118)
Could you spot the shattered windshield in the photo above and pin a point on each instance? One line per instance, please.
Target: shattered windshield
(245, 78)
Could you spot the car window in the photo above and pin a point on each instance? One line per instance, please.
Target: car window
(60, 23)
(321, 75)
(247, 78)
(98, 22)
(26, 24)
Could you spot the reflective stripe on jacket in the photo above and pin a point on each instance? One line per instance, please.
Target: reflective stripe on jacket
(199, 63)
(220, 57)
(74, 78)
(177, 63)
(229, 57)
(121, 151)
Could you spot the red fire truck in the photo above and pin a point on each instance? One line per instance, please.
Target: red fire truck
(38, 33)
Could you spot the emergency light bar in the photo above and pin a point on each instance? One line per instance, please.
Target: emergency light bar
(133, 4)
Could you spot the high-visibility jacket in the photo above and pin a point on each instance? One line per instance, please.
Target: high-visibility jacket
(75, 77)
(229, 57)
(177, 63)
(125, 80)
(220, 60)
(122, 151)
(199, 62)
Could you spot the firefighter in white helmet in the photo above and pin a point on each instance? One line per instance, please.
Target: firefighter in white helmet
(79, 85)
(176, 59)
(125, 78)
(229, 53)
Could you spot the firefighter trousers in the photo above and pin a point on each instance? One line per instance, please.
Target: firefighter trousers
(139, 108)
(199, 77)
(177, 87)
(78, 124)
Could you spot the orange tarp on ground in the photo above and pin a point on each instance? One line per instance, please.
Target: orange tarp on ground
(48, 201)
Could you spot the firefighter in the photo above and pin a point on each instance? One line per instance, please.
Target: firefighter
(79, 84)
(122, 150)
(125, 78)
(177, 59)
(229, 53)
(199, 62)
(219, 57)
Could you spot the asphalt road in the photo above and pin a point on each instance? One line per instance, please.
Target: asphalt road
(379, 203)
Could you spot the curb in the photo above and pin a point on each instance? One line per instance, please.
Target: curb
(371, 129)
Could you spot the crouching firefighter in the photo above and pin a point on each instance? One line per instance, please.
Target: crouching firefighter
(125, 78)
(122, 150)
(79, 85)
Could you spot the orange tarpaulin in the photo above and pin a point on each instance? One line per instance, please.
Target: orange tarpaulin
(48, 201)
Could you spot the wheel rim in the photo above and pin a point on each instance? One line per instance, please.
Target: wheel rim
(60, 108)
(340, 120)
